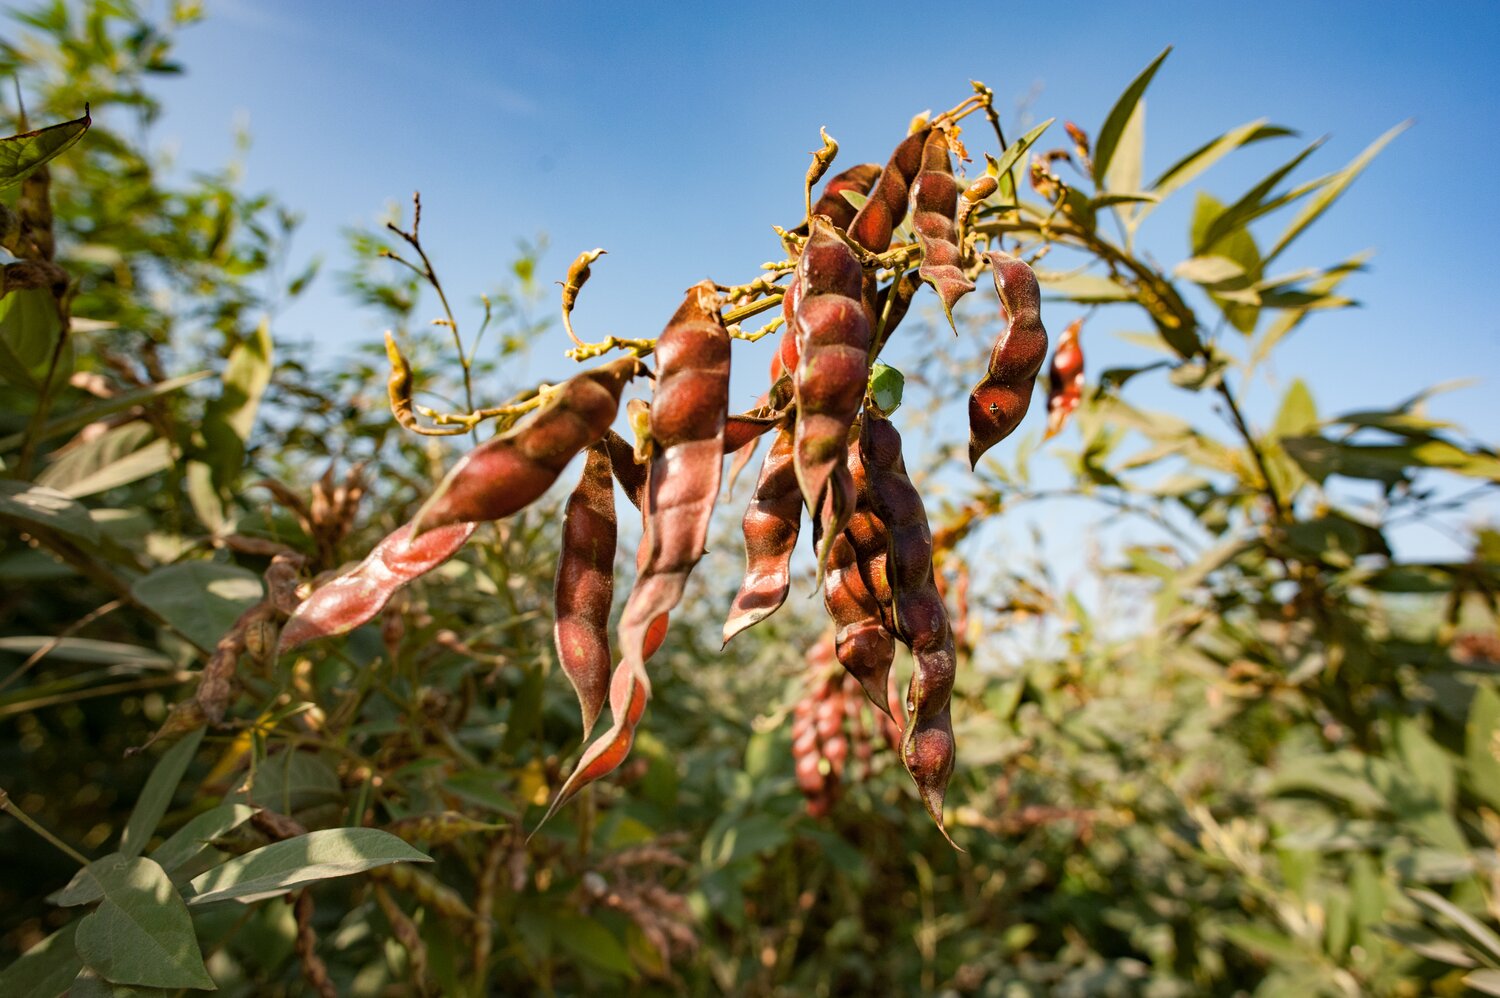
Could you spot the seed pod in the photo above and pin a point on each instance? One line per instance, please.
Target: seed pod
(886, 208)
(934, 199)
(892, 305)
(834, 333)
(817, 719)
(832, 202)
(509, 472)
(927, 746)
(870, 540)
(585, 585)
(772, 520)
(864, 647)
(687, 432)
(1000, 400)
(788, 348)
(357, 596)
(399, 384)
(1065, 379)
(629, 472)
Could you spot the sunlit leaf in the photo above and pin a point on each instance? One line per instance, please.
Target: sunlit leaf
(44, 507)
(1119, 117)
(21, 154)
(1331, 193)
(141, 932)
(156, 796)
(282, 866)
(200, 599)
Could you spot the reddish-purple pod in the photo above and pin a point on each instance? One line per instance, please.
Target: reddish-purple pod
(832, 203)
(585, 585)
(934, 198)
(886, 207)
(1000, 400)
(358, 595)
(864, 647)
(509, 472)
(834, 367)
(771, 524)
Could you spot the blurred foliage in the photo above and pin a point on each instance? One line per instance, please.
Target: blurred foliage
(1263, 760)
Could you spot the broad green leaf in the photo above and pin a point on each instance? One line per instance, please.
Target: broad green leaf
(21, 154)
(44, 507)
(293, 781)
(141, 932)
(1189, 167)
(1242, 211)
(156, 796)
(29, 331)
(119, 456)
(280, 867)
(229, 419)
(1482, 746)
(1298, 413)
(1332, 192)
(1084, 288)
(886, 387)
(1119, 117)
(1209, 270)
(1339, 776)
(192, 838)
(1269, 944)
(45, 970)
(588, 940)
(81, 416)
(1321, 457)
(90, 985)
(1291, 319)
(200, 599)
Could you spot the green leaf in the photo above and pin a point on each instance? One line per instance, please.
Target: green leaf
(1186, 169)
(1332, 192)
(1298, 413)
(88, 650)
(1209, 270)
(280, 867)
(293, 781)
(1477, 931)
(1108, 200)
(1242, 211)
(44, 507)
(200, 599)
(1119, 117)
(1482, 746)
(1484, 981)
(29, 331)
(121, 455)
(1125, 167)
(1013, 152)
(1085, 288)
(229, 419)
(90, 985)
(591, 942)
(156, 796)
(1291, 319)
(141, 932)
(21, 154)
(45, 970)
(855, 198)
(82, 416)
(886, 387)
(192, 838)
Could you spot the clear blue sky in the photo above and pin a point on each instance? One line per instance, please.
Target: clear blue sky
(674, 134)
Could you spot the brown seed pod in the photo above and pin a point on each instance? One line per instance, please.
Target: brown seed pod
(687, 418)
(832, 202)
(1065, 379)
(358, 595)
(1000, 400)
(585, 585)
(509, 472)
(834, 367)
(934, 199)
(864, 647)
(886, 208)
(927, 746)
(870, 540)
(771, 524)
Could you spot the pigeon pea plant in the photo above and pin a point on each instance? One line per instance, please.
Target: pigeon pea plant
(356, 690)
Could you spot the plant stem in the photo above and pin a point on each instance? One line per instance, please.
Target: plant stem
(10, 807)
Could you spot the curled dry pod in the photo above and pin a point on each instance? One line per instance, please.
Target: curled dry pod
(1065, 379)
(772, 520)
(585, 585)
(927, 746)
(934, 199)
(509, 472)
(886, 208)
(835, 365)
(1000, 400)
(687, 418)
(358, 595)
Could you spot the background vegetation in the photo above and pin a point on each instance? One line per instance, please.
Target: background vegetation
(1259, 757)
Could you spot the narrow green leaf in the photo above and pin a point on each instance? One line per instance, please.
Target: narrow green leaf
(1119, 116)
(82, 416)
(44, 507)
(1085, 288)
(1298, 413)
(1482, 746)
(855, 198)
(119, 456)
(1189, 167)
(1331, 193)
(1249, 203)
(88, 650)
(21, 154)
(1289, 320)
(1476, 930)
(141, 932)
(229, 419)
(1126, 165)
(1013, 152)
(1209, 270)
(280, 867)
(1485, 981)
(45, 970)
(200, 599)
(156, 796)
(1107, 200)
(194, 837)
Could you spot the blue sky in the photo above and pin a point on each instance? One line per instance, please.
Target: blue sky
(674, 135)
